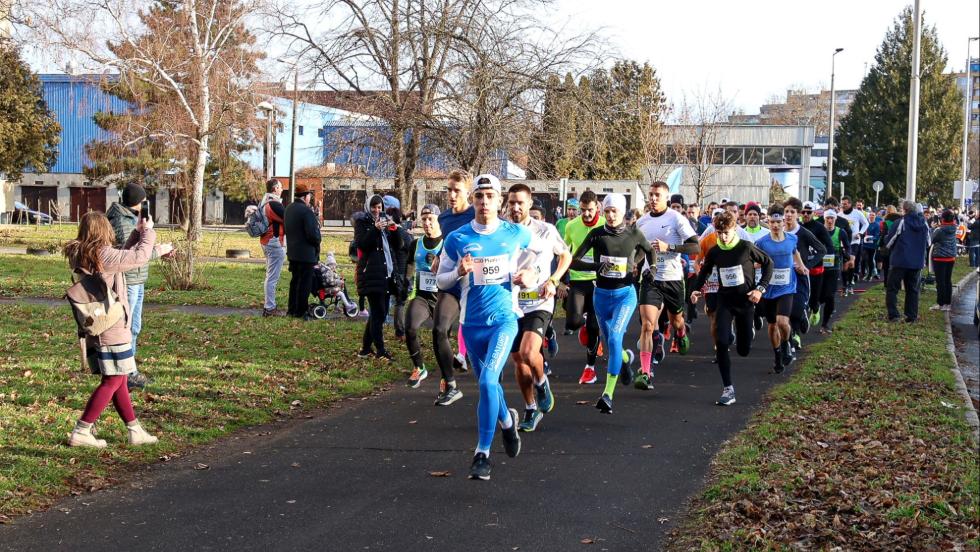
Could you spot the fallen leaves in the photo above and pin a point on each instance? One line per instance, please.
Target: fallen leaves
(440, 474)
(200, 466)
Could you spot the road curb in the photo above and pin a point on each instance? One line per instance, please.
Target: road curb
(969, 413)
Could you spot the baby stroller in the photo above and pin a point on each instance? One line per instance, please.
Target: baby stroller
(330, 289)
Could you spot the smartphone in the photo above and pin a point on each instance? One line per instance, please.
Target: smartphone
(145, 210)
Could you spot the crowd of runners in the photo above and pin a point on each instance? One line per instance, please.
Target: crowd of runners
(493, 272)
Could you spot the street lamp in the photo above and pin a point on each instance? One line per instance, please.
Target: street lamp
(269, 111)
(966, 122)
(830, 147)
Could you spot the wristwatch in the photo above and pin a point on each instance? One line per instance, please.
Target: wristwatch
(760, 288)
(554, 281)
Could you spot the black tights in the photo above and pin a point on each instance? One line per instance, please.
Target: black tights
(828, 296)
(374, 329)
(419, 310)
(445, 322)
(577, 305)
(741, 311)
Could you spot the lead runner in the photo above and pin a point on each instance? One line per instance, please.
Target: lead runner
(484, 257)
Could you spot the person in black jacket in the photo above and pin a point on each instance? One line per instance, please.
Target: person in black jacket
(378, 240)
(399, 277)
(302, 250)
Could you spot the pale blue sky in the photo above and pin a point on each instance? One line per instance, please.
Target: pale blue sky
(756, 48)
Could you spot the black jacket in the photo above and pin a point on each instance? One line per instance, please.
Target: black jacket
(372, 272)
(302, 233)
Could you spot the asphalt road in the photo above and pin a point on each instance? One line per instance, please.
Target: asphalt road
(359, 476)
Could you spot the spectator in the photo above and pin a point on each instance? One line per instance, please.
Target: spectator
(302, 250)
(694, 216)
(908, 241)
(943, 259)
(401, 266)
(125, 217)
(378, 240)
(111, 352)
(973, 239)
(869, 246)
(273, 244)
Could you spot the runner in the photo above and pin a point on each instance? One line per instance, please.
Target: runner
(811, 250)
(777, 301)
(832, 265)
(858, 226)
(620, 249)
(537, 304)
(579, 307)
(710, 289)
(571, 211)
(754, 232)
(734, 259)
(669, 232)
(422, 303)
(447, 300)
(483, 258)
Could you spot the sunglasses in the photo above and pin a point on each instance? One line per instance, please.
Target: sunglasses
(806, 211)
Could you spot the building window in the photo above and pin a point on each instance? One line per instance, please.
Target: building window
(818, 153)
(792, 156)
(773, 156)
(320, 132)
(733, 156)
(753, 156)
(300, 130)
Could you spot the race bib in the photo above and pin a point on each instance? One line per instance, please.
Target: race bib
(780, 277)
(528, 297)
(587, 258)
(731, 276)
(869, 239)
(758, 275)
(711, 284)
(669, 267)
(489, 271)
(427, 281)
(829, 260)
(612, 267)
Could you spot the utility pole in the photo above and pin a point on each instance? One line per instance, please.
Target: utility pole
(292, 143)
(966, 123)
(910, 167)
(830, 147)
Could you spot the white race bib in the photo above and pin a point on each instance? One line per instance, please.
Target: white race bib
(427, 281)
(669, 267)
(489, 271)
(612, 267)
(829, 260)
(780, 277)
(711, 284)
(869, 239)
(731, 276)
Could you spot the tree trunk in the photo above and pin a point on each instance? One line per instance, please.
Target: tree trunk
(197, 185)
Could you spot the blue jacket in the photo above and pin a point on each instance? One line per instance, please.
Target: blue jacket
(873, 232)
(908, 242)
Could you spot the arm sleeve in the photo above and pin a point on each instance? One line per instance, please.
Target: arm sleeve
(278, 210)
(690, 246)
(585, 247)
(411, 250)
(124, 260)
(644, 250)
(447, 277)
(312, 229)
(862, 223)
(819, 249)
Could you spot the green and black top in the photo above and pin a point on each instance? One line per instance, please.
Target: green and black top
(736, 267)
(615, 254)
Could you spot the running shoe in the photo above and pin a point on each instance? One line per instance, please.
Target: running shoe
(778, 368)
(512, 440)
(384, 355)
(365, 354)
(545, 398)
(814, 319)
(659, 353)
(935, 308)
(805, 324)
(588, 376)
(480, 468)
(547, 368)
(419, 374)
(828, 329)
(449, 396)
(459, 363)
(787, 353)
(796, 341)
(643, 382)
(727, 396)
(604, 404)
(626, 373)
(552, 342)
(532, 417)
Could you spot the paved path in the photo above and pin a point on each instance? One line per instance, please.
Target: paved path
(965, 338)
(207, 310)
(358, 477)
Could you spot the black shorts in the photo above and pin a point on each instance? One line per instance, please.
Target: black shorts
(534, 322)
(781, 306)
(710, 302)
(668, 295)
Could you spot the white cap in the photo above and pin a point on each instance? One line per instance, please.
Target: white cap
(487, 182)
(830, 213)
(617, 201)
(717, 211)
(809, 205)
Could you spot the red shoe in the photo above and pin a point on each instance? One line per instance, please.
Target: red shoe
(588, 376)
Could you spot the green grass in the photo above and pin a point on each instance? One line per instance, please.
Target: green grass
(228, 284)
(212, 377)
(213, 243)
(865, 447)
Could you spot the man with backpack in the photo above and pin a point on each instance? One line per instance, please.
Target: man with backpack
(267, 223)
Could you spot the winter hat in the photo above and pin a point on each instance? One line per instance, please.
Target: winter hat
(677, 198)
(753, 206)
(391, 201)
(133, 194)
(617, 201)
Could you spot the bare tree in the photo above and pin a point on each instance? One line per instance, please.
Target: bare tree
(694, 139)
(189, 51)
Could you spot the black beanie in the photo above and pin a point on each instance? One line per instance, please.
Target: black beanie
(132, 194)
(677, 198)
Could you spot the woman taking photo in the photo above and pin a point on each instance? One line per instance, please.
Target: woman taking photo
(110, 353)
(377, 239)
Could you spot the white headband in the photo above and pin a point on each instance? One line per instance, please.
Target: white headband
(617, 201)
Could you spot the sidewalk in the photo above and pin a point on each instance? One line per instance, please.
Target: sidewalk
(361, 476)
(965, 336)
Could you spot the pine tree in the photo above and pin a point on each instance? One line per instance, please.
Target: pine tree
(872, 140)
(29, 132)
